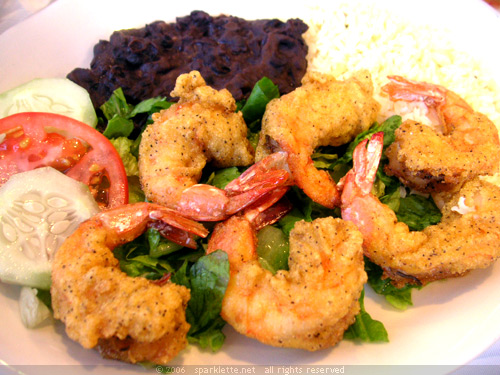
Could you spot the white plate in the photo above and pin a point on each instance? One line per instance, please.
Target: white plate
(452, 321)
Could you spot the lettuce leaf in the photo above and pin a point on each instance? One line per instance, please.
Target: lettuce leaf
(254, 107)
(288, 221)
(135, 260)
(305, 208)
(389, 126)
(118, 127)
(45, 297)
(400, 298)
(324, 160)
(418, 212)
(365, 328)
(124, 146)
(262, 93)
(122, 117)
(116, 105)
(207, 279)
(221, 177)
(135, 193)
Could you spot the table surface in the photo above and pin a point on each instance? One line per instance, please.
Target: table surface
(15, 11)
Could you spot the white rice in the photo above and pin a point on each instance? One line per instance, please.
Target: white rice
(348, 36)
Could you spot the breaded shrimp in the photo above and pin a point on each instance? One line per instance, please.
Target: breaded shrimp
(429, 160)
(202, 127)
(130, 319)
(323, 111)
(308, 307)
(467, 238)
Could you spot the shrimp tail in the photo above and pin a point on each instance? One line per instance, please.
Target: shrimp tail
(271, 170)
(208, 203)
(274, 180)
(401, 88)
(268, 209)
(126, 221)
(177, 228)
(203, 202)
(366, 158)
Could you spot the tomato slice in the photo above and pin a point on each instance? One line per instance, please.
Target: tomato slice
(37, 139)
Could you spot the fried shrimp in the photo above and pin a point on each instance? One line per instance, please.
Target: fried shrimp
(202, 127)
(322, 112)
(429, 160)
(127, 318)
(308, 307)
(467, 238)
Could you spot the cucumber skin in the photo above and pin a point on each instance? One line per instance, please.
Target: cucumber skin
(54, 95)
(39, 278)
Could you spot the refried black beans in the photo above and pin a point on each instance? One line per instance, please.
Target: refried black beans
(229, 52)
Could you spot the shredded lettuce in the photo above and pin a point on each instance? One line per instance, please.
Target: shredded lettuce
(135, 193)
(135, 260)
(124, 146)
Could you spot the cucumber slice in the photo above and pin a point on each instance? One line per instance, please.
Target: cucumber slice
(54, 95)
(39, 209)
